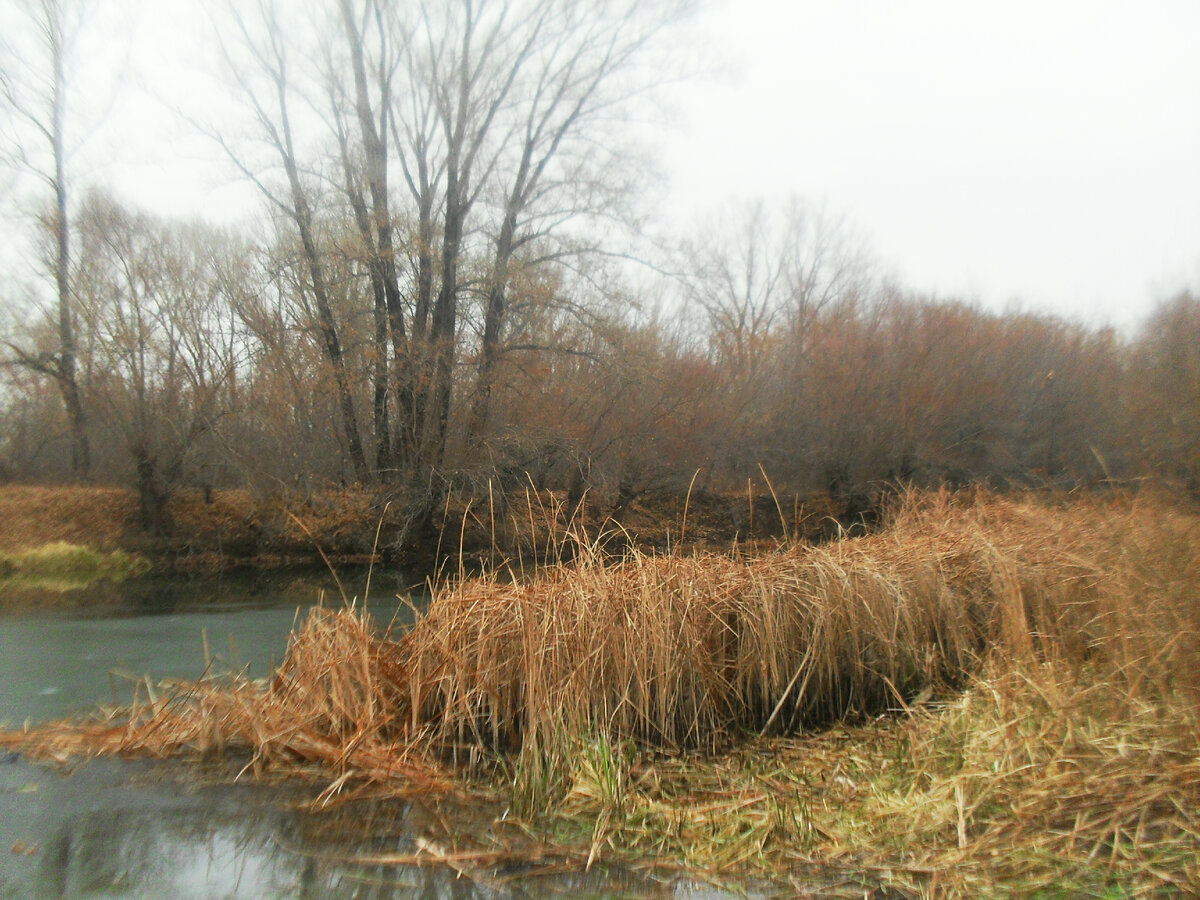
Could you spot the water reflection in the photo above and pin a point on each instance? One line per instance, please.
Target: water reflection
(117, 829)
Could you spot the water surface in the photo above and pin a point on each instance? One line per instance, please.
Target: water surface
(58, 662)
(119, 829)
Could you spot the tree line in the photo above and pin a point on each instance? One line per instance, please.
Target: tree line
(439, 297)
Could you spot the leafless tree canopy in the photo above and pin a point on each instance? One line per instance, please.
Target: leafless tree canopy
(442, 296)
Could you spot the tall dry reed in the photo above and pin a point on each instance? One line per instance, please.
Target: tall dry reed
(689, 650)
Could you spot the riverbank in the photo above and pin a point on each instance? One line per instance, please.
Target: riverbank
(211, 531)
(229, 529)
(985, 697)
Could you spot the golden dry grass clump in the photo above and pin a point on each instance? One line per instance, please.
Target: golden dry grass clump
(689, 650)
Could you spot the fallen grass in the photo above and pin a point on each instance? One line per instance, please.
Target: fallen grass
(1001, 792)
(1010, 684)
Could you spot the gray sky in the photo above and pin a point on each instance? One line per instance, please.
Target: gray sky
(1045, 154)
(1040, 154)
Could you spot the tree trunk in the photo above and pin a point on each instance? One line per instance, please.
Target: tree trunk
(492, 322)
(81, 461)
(384, 456)
(153, 495)
(442, 338)
(384, 275)
(443, 328)
(327, 325)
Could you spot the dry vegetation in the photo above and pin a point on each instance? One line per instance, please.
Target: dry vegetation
(209, 530)
(100, 517)
(1010, 685)
(353, 524)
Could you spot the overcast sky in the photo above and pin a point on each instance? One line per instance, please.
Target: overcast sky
(1041, 154)
(1044, 153)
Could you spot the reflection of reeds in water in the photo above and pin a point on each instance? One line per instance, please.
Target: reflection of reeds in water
(1074, 628)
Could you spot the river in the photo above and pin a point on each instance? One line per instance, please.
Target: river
(135, 829)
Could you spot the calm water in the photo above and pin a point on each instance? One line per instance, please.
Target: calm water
(58, 663)
(120, 829)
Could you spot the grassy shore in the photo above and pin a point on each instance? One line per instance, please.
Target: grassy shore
(61, 566)
(987, 697)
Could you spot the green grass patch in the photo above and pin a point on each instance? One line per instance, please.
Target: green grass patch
(62, 566)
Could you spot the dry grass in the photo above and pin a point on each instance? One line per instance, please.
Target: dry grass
(100, 517)
(1003, 792)
(687, 651)
(1068, 766)
(1045, 653)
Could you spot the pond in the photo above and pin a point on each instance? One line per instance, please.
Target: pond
(126, 829)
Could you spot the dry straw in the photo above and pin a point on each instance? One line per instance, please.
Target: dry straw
(689, 651)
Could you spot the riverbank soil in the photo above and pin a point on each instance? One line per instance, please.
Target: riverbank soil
(985, 696)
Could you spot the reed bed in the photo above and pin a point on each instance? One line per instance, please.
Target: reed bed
(688, 651)
(1015, 678)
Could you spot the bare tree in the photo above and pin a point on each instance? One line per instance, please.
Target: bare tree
(580, 77)
(265, 86)
(488, 118)
(154, 298)
(374, 221)
(39, 101)
(474, 53)
(763, 269)
(762, 276)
